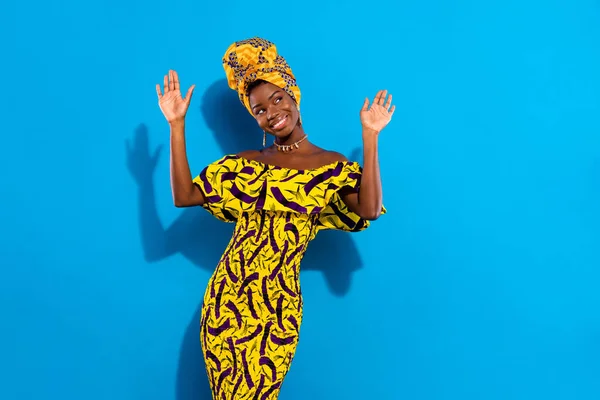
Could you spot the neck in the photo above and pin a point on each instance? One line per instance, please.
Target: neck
(296, 134)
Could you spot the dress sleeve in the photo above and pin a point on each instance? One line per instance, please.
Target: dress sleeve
(215, 182)
(336, 215)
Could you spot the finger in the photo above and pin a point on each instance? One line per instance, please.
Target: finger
(377, 96)
(158, 91)
(171, 84)
(175, 80)
(166, 84)
(391, 112)
(188, 95)
(388, 103)
(382, 96)
(365, 106)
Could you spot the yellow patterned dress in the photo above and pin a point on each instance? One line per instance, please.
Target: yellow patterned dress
(252, 308)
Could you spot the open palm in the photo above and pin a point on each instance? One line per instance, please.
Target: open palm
(173, 106)
(379, 114)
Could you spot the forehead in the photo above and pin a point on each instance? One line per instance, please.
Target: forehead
(262, 92)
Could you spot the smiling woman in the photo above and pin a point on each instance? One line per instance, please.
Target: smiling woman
(261, 94)
(279, 198)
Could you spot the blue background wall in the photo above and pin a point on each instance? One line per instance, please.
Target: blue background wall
(480, 283)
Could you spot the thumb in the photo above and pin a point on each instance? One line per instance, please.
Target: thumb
(365, 104)
(188, 95)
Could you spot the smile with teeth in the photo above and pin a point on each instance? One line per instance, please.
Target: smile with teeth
(280, 122)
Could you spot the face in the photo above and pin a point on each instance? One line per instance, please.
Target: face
(274, 109)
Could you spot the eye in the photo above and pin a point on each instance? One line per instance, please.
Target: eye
(278, 99)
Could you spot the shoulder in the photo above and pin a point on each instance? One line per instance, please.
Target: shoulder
(249, 154)
(333, 156)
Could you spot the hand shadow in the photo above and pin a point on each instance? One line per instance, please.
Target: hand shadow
(188, 236)
(201, 238)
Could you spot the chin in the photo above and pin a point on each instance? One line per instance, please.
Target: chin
(282, 134)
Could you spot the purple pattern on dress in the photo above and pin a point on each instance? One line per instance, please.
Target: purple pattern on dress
(294, 322)
(238, 194)
(248, 170)
(284, 286)
(322, 177)
(205, 183)
(218, 298)
(273, 388)
(211, 356)
(343, 217)
(247, 375)
(272, 240)
(238, 316)
(237, 386)
(279, 312)
(265, 295)
(287, 203)
(280, 264)
(260, 387)
(258, 249)
(251, 336)
(255, 291)
(251, 304)
(212, 289)
(263, 342)
(292, 228)
(222, 376)
(233, 355)
(247, 236)
(282, 341)
(269, 363)
(228, 176)
(294, 254)
(220, 329)
(261, 225)
(232, 277)
(258, 176)
(292, 176)
(262, 197)
(254, 276)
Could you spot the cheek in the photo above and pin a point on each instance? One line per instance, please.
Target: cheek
(295, 113)
(262, 122)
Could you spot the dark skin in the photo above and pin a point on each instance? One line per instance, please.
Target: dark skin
(277, 114)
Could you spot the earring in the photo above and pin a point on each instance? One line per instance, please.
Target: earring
(264, 138)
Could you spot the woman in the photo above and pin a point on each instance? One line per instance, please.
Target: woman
(279, 198)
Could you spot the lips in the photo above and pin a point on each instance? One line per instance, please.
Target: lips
(279, 122)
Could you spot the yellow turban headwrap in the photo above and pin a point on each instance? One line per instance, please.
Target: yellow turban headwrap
(252, 59)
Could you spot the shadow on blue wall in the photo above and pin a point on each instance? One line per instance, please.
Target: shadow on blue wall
(201, 238)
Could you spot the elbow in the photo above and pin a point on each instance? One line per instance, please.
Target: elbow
(371, 215)
(179, 202)
(190, 198)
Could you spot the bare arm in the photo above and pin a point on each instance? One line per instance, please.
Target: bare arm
(368, 201)
(184, 192)
(174, 108)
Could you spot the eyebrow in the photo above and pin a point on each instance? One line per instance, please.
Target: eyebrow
(270, 97)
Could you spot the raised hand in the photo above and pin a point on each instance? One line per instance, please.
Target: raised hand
(376, 117)
(173, 106)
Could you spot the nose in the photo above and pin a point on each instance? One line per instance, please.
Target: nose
(271, 112)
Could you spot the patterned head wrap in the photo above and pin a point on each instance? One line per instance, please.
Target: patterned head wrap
(252, 59)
